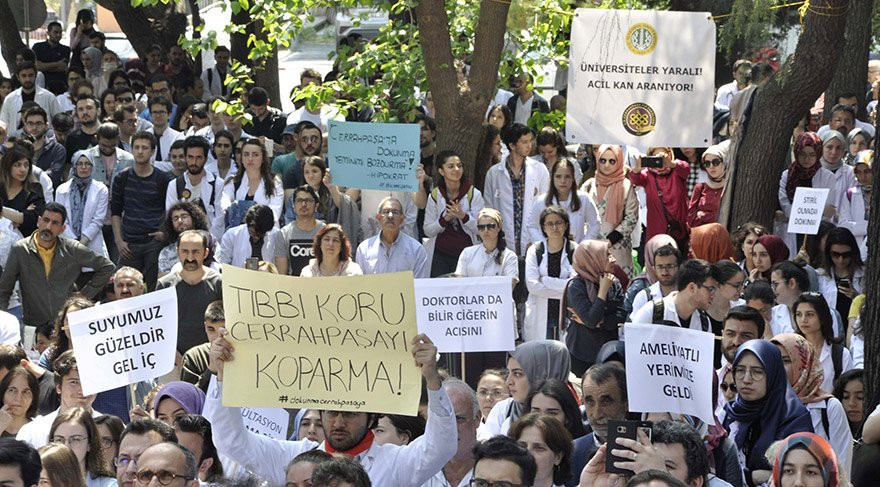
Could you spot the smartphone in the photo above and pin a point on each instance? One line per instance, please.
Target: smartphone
(652, 161)
(252, 263)
(270, 147)
(623, 429)
(845, 282)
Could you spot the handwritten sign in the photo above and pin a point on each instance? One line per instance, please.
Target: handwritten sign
(806, 210)
(467, 314)
(669, 369)
(641, 78)
(271, 422)
(125, 341)
(338, 343)
(381, 156)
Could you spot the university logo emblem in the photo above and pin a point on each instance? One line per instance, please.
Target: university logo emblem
(641, 39)
(639, 119)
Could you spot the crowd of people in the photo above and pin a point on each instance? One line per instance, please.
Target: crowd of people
(118, 179)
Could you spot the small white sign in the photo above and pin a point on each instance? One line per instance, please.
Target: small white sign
(271, 422)
(806, 210)
(473, 314)
(126, 341)
(669, 369)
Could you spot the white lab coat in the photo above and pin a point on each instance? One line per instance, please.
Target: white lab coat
(844, 179)
(10, 115)
(230, 195)
(851, 215)
(828, 288)
(235, 246)
(542, 288)
(499, 195)
(93, 214)
(435, 210)
(822, 179)
(583, 224)
(207, 188)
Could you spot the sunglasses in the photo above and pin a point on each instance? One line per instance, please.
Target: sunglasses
(840, 255)
(712, 162)
(725, 387)
(487, 226)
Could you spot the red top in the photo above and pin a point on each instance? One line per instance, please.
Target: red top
(707, 200)
(673, 186)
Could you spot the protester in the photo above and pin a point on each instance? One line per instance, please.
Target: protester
(550, 445)
(294, 237)
(805, 376)
(605, 398)
(662, 261)
(711, 242)
(397, 429)
(805, 456)
(503, 459)
(564, 192)
(255, 238)
(687, 308)
(730, 279)
(666, 194)
(167, 462)
(109, 430)
(451, 214)
(767, 251)
(531, 363)
(22, 195)
(705, 198)
(60, 467)
(744, 239)
(136, 438)
(253, 184)
(548, 269)
(334, 206)
(553, 397)
(392, 250)
(491, 389)
(300, 470)
(194, 433)
(842, 277)
(616, 204)
(76, 428)
(813, 321)
(849, 389)
(855, 205)
(491, 257)
(332, 252)
(765, 410)
(19, 399)
(86, 201)
(595, 300)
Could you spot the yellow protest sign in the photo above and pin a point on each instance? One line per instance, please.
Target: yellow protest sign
(338, 343)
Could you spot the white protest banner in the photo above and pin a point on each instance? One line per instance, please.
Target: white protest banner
(806, 210)
(473, 314)
(271, 422)
(641, 77)
(669, 369)
(125, 341)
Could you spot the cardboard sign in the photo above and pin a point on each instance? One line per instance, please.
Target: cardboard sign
(381, 156)
(641, 78)
(125, 341)
(338, 343)
(806, 210)
(473, 314)
(669, 369)
(271, 422)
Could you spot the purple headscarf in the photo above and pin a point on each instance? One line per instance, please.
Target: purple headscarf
(187, 395)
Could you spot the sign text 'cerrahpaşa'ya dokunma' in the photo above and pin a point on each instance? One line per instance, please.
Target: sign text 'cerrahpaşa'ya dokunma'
(339, 343)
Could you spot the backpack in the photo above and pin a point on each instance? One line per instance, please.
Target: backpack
(435, 194)
(660, 310)
(237, 210)
(539, 251)
(181, 186)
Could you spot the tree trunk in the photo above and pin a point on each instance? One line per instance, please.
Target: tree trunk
(10, 39)
(852, 69)
(777, 108)
(266, 77)
(461, 107)
(145, 26)
(871, 314)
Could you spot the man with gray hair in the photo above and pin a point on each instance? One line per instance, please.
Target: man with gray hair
(459, 470)
(392, 250)
(167, 462)
(128, 282)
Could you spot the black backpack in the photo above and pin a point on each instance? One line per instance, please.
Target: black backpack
(569, 249)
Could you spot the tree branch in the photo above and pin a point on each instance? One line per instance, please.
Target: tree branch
(437, 53)
(10, 39)
(488, 44)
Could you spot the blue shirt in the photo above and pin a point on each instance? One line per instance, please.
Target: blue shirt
(405, 254)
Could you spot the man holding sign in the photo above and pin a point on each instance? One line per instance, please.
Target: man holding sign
(345, 432)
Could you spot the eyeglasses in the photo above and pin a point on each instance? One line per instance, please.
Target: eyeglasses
(486, 483)
(311, 138)
(497, 394)
(38, 123)
(390, 212)
(487, 226)
(756, 373)
(775, 284)
(181, 218)
(666, 267)
(712, 162)
(841, 255)
(735, 285)
(559, 224)
(308, 201)
(725, 386)
(165, 477)
(711, 289)
(71, 441)
(125, 99)
(122, 462)
(107, 441)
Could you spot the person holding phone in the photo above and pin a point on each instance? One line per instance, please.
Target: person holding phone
(765, 410)
(666, 192)
(842, 274)
(79, 35)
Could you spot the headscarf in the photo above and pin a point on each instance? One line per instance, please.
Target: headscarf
(613, 350)
(816, 446)
(833, 134)
(797, 174)
(296, 422)
(805, 374)
(591, 263)
(720, 151)
(711, 242)
(97, 61)
(611, 186)
(651, 246)
(190, 397)
(848, 157)
(79, 189)
(776, 415)
(776, 248)
(541, 360)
